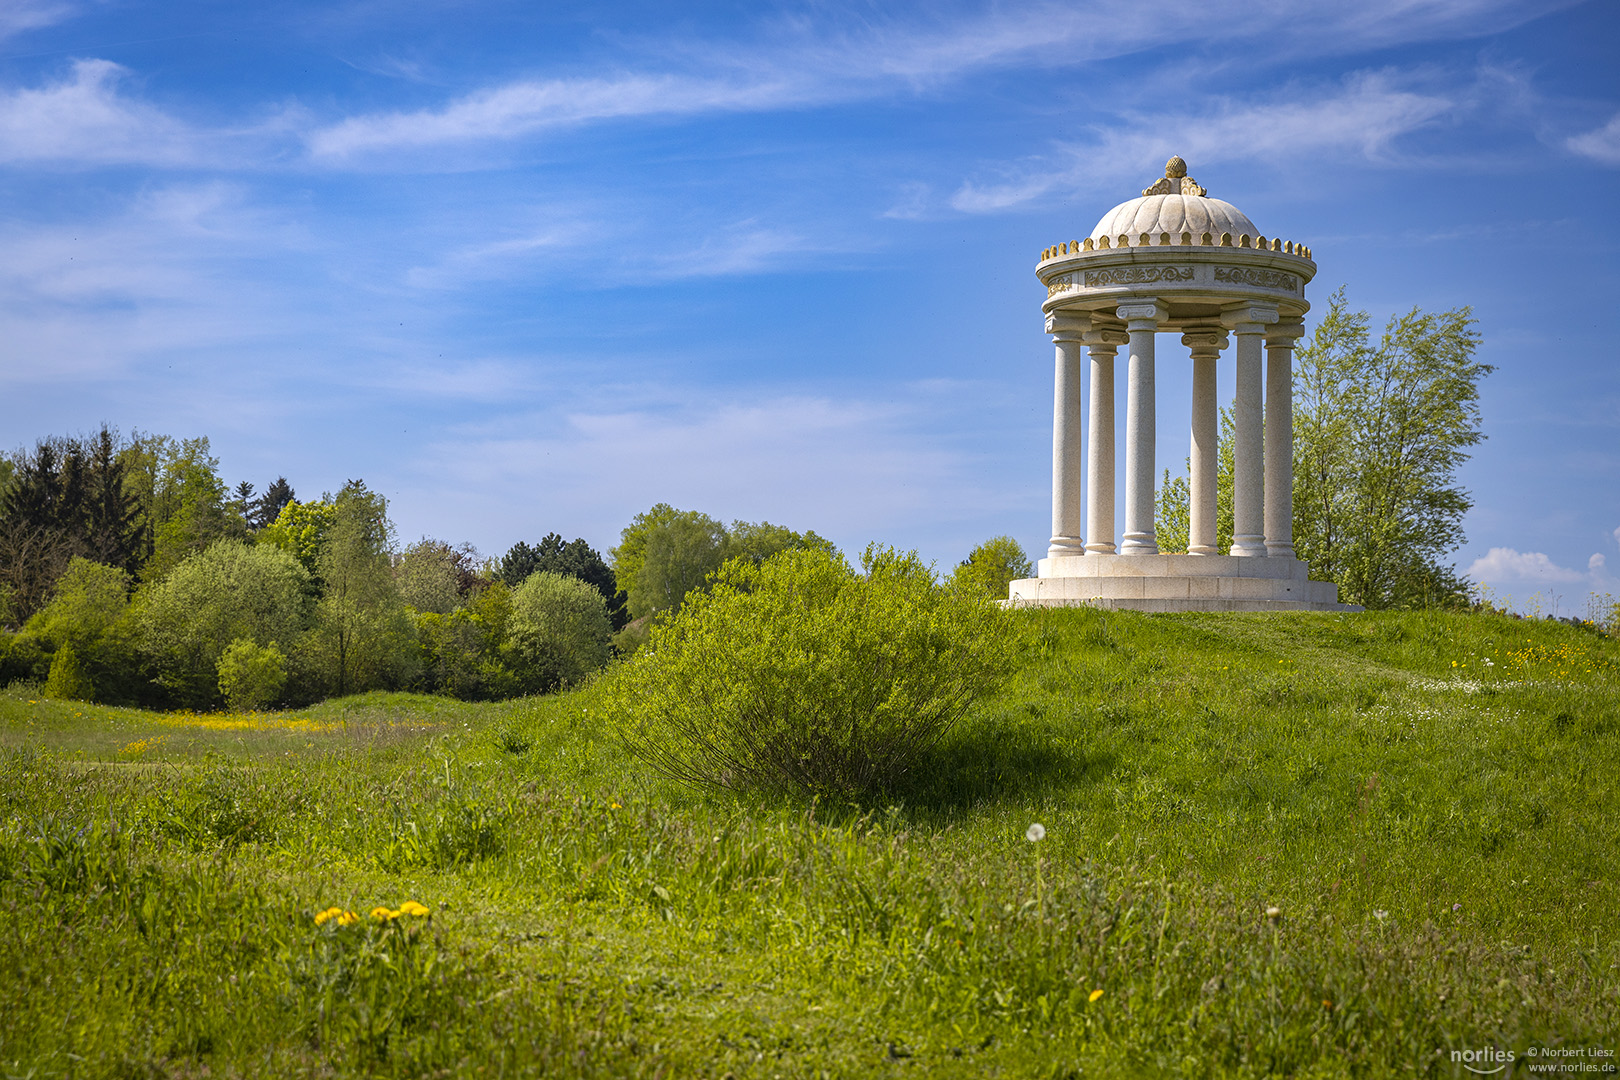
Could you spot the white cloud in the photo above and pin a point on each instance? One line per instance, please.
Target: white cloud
(1601, 145)
(802, 62)
(83, 118)
(1362, 118)
(1505, 564)
(19, 16)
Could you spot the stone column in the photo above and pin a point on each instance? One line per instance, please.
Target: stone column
(1142, 318)
(1206, 344)
(1067, 467)
(1280, 437)
(1103, 345)
(1247, 324)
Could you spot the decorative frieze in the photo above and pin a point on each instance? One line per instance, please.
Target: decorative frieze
(1263, 279)
(1138, 275)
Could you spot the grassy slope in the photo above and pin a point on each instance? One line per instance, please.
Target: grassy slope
(1427, 798)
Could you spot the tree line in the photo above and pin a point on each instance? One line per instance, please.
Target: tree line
(131, 574)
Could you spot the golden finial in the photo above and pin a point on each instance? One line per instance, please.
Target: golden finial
(1175, 181)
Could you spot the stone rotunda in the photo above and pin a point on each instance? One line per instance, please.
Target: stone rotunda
(1175, 261)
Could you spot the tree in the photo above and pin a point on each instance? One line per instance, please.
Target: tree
(757, 541)
(188, 502)
(263, 510)
(665, 553)
(574, 558)
(992, 566)
(1379, 435)
(300, 530)
(427, 576)
(363, 637)
(115, 524)
(559, 631)
(37, 538)
(85, 627)
(228, 591)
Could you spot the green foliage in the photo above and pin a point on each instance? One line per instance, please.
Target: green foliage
(559, 632)
(757, 541)
(227, 592)
(575, 558)
(300, 530)
(992, 566)
(251, 676)
(427, 576)
(89, 600)
(463, 651)
(67, 679)
(362, 637)
(801, 675)
(189, 504)
(664, 553)
(1379, 435)
(69, 498)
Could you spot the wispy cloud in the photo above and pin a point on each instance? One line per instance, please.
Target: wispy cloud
(19, 16)
(806, 62)
(84, 118)
(1362, 118)
(1602, 145)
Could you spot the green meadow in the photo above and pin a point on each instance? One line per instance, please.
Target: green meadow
(1275, 845)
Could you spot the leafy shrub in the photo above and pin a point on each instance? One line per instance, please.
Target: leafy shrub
(801, 675)
(559, 631)
(250, 675)
(67, 680)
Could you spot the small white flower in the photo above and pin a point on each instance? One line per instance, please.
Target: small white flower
(1035, 833)
(1380, 914)
(1273, 913)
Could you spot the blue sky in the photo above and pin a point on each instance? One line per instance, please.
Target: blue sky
(529, 268)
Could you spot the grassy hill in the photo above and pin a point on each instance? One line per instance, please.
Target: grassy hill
(1276, 845)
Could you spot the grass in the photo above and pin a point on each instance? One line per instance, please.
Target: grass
(1425, 799)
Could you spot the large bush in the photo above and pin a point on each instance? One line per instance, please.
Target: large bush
(558, 633)
(228, 591)
(801, 675)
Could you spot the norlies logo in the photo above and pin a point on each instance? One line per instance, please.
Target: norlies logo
(1485, 1062)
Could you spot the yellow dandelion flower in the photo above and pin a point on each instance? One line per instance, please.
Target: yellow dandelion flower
(1095, 994)
(348, 918)
(382, 913)
(329, 913)
(411, 907)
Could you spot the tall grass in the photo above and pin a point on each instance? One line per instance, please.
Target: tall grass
(1425, 800)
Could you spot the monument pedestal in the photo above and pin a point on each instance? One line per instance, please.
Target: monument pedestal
(1177, 583)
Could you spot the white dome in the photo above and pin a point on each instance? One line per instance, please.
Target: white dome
(1174, 214)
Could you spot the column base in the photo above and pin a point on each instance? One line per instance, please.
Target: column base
(1249, 547)
(1061, 546)
(1139, 544)
(1283, 550)
(1100, 547)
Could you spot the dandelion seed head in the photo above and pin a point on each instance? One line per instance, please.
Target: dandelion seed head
(1035, 833)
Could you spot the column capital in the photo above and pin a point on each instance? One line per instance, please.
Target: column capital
(1066, 327)
(1104, 339)
(1285, 332)
(1205, 341)
(1143, 314)
(1247, 318)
